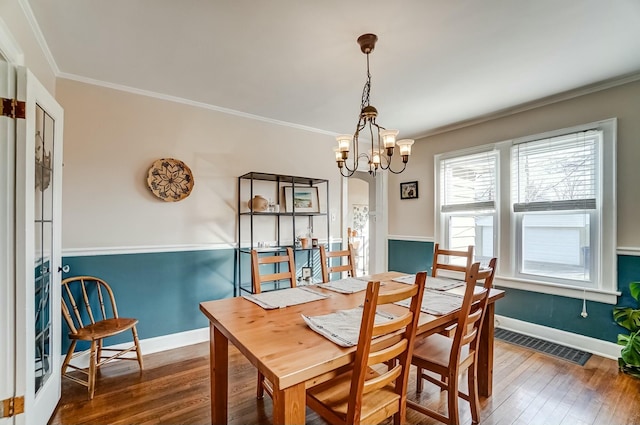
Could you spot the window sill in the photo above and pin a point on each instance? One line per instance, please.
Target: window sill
(590, 294)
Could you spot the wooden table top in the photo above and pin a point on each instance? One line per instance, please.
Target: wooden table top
(281, 344)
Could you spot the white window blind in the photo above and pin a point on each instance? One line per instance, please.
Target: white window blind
(556, 174)
(468, 182)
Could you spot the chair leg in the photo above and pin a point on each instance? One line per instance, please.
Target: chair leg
(92, 369)
(260, 391)
(137, 343)
(419, 380)
(473, 394)
(452, 400)
(99, 354)
(67, 358)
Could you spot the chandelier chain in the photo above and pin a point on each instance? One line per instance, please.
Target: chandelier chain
(367, 88)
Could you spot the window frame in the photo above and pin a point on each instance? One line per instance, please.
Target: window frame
(505, 219)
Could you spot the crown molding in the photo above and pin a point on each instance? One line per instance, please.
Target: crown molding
(545, 101)
(181, 100)
(37, 33)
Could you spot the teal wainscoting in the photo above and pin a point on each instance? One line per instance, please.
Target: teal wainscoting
(162, 290)
(410, 256)
(547, 310)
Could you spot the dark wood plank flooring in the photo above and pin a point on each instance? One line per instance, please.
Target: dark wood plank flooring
(529, 388)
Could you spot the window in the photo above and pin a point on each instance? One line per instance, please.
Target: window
(543, 204)
(554, 195)
(468, 202)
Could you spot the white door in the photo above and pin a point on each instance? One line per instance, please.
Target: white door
(7, 258)
(38, 250)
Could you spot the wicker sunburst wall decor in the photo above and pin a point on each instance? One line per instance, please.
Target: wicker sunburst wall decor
(170, 179)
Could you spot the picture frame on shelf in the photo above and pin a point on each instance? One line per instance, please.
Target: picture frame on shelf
(409, 190)
(305, 199)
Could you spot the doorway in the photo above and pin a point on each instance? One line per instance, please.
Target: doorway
(365, 216)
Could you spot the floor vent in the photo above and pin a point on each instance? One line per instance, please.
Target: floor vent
(556, 350)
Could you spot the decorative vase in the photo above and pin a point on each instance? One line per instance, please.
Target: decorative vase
(258, 204)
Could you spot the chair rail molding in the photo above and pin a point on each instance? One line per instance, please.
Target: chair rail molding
(145, 249)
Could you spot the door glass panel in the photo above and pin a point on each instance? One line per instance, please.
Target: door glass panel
(43, 232)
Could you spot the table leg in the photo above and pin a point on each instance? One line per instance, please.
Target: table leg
(289, 405)
(219, 371)
(485, 353)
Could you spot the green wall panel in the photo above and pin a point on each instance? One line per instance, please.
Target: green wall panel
(410, 256)
(162, 290)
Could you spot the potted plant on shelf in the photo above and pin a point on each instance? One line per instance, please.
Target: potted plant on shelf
(629, 318)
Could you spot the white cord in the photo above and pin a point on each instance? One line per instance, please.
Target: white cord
(584, 313)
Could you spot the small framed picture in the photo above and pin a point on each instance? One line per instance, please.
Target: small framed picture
(409, 190)
(303, 199)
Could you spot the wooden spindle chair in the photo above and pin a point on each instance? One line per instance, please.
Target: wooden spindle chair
(89, 309)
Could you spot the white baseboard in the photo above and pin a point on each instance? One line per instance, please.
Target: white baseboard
(599, 347)
(155, 345)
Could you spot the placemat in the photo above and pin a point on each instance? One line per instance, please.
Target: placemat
(436, 283)
(284, 297)
(343, 326)
(437, 303)
(347, 285)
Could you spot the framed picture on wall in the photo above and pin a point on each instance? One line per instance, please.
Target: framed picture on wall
(409, 190)
(304, 199)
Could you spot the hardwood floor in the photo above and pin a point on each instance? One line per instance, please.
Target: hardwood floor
(529, 388)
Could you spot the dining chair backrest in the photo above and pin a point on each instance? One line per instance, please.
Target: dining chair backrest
(348, 266)
(384, 350)
(474, 305)
(451, 255)
(275, 274)
(85, 301)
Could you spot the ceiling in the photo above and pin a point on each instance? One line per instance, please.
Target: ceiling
(437, 62)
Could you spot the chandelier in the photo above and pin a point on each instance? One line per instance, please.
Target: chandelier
(382, 140)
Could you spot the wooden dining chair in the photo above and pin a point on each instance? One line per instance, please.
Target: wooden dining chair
(376, 387)
(440, 263)
(326, 257)
(89, 309)
(273, 275)
(451, 357)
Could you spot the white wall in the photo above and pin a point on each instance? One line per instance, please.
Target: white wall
(111, 139)
(623, 102)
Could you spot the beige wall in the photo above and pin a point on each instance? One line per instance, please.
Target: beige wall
(112, 138)
(623, 102)
(15, 19)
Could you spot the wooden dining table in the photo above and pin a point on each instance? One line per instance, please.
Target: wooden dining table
(293, 357)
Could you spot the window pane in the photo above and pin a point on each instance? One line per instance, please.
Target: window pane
(558, 169)
(469, 182)
(472, 229)
(557, 246)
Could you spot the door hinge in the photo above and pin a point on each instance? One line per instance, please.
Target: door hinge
(12, 108)
(11, 407)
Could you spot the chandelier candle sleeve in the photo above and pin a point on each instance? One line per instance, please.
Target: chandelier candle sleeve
(383, 141)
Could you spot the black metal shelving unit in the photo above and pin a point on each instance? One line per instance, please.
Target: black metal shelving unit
(298, 220)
